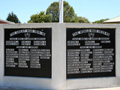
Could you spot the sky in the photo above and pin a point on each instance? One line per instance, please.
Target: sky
(91, 9)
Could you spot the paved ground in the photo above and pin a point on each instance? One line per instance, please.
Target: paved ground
(10, 88)
(115, 88)
(13, 88)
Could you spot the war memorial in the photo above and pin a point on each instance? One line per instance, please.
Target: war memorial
(60, 55)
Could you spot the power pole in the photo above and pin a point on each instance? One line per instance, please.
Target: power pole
(60, 11)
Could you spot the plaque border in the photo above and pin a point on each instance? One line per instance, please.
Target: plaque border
(51, 29)
(67, 28)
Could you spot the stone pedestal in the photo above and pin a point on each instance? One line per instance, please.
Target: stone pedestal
(60, 56)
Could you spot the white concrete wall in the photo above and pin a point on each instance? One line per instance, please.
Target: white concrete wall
(98, 82)
(1, 56)
(58, 80)
(32, 82)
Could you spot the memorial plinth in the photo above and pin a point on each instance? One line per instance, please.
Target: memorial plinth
(60, 56)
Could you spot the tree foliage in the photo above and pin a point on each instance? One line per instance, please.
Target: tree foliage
(13, 18)
(52, 15)
(40, 18)
(53, 9)
(83, 20)
(100, 21)
(80, 20)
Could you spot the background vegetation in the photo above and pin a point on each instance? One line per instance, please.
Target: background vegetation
(52, 15)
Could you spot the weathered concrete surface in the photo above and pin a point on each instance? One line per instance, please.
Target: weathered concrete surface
(16, 88)
(115, 88)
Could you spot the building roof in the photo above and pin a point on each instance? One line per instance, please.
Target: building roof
(5, 22)
(113, 20)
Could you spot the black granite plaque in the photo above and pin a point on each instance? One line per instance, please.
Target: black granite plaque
(28, 52)
(90, 52)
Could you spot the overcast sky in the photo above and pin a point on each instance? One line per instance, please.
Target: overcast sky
(91, 9)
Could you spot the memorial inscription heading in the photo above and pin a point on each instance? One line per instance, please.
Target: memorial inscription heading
(28, 52)
(90, 52)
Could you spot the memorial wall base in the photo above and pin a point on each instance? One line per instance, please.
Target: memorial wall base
(60, 56)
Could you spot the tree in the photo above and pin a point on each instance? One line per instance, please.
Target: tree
(53, 9)
(80, 20)
(83, 20)
(52, 15)
(13, 18)
(40, 18)
(100, 21)
(74, 20)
